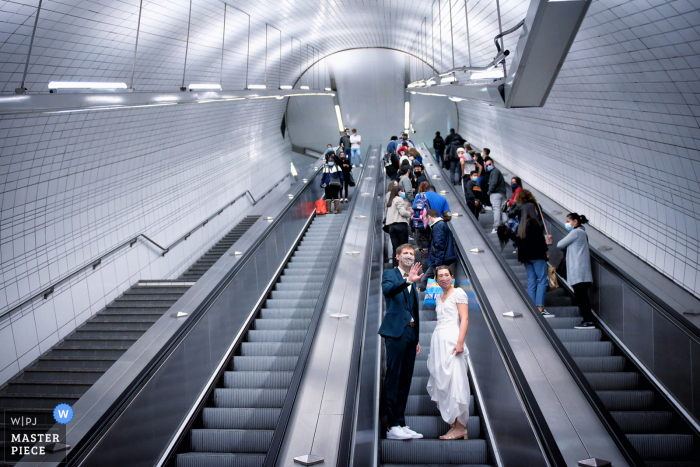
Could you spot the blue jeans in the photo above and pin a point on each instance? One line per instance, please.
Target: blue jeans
(537, 280)
(355, 152)
(438, 156)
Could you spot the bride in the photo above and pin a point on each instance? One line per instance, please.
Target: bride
(447, 362)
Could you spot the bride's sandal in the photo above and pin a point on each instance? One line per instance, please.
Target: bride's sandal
(448, 436)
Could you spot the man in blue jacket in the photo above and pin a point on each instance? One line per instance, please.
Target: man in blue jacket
(442, 246)
(400, 329)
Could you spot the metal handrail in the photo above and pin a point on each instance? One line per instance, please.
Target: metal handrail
(131, 242)
(618, 437)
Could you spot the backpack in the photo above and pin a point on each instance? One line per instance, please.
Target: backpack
(419, 218)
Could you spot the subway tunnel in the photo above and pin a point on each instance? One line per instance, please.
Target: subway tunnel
(187, 281)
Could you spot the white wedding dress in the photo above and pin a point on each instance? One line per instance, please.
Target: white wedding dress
(448, 384)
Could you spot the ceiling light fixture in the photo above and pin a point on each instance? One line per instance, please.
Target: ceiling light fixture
(84, 85)
(407, 112)
(340, 118)
(496, 73)
(202, 87)
(286, 86)
(448, 80)
(257, 86)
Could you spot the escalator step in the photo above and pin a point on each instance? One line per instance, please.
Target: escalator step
(434, 427)
(276, 336)
(242, 419)
(296, 313)
(563, 322)
(291, 303)
(578, 335)
(202, 459)
(422, 405)
(627, 400)
(278, 349)
(423, 451)
(597, 364)
(241, 363)
(310, 286)
(664, 446)
(257, 379)
(643, 422)
(243, 441)
(613, 381)
(249, 398)
(589, 349)
(302, 278)
(280, 324)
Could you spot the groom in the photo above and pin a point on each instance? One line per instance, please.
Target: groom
(400, 329)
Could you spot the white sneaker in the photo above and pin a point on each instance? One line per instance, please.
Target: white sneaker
(360, 165)
(397, 432)
(411, 433)
(494, 231)
(353, 166)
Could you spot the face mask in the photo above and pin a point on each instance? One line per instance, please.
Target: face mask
(330, 150)
(445, 282)
(514, 186)
(331, 164)
(407, 259)
(474, 179)
(569, 227)
(418, 174)
(403, 195)
(410, 158)
(489, 168)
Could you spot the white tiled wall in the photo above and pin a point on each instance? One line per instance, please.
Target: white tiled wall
(618, 138)
(73, 185)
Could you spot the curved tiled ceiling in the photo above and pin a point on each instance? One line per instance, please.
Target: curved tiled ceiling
(94, 40)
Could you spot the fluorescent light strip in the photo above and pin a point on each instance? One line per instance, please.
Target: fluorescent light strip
(448, 79)
(286, 86)
(455, 99)
(407, 113)
(305, 88)
(328, 89)
(85, 85)
(495, 73)
(340, 118)
(201, 87)
(257, 86)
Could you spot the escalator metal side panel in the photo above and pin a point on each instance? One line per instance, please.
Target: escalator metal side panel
(574, 424)
(146, 426)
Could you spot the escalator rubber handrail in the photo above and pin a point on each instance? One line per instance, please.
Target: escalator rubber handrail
(82, 449)
(655, 301)
(288, 405)
(349, 412)
(606, 419)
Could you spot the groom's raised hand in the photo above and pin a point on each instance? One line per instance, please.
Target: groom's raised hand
(413, 275)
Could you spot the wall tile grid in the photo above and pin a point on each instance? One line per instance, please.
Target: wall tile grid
(76, 184)
(618, 138)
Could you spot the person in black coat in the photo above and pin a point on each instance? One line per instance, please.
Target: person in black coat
(346, 167)
(401, 330)
(533, 252)
(439, 147)
(442, 246)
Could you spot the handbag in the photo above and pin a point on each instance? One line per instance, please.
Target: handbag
(552, 277)
(547, 236)
(321, 207)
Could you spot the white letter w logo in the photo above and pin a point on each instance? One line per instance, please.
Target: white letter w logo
(63, 414)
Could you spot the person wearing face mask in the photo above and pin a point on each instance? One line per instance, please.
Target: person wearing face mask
(419, 177)
(485, 175)
(401, 330)
(497, 194)
(448, 384)
(442, 246)
(472, 193)
(578, 266)
(398, 217)
(346, 167)
(332, 183)
(329, 152)
(406, 182)
(344, 142)
(516, 185)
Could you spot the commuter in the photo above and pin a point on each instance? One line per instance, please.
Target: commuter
(455, 167)
(439, 148)
(406, 183)
(450, 137)
(355, 141)
(419, 177)
(401, 330)
(392, 184)
(497, 194)
(329, 152)
(422, 228)
(516, 185)
(417, 158)
(393, 144)
(485, 174)
(391, 159)
(397, 219)
(438, 202)
(532, 252)
(473, 194)
(345, 142)
(408, 140)
(332, 182)
(442, 246)
(480, 169)
(346, 167)
(578, 266)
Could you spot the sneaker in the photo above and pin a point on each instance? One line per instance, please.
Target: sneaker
(494, 231)
(547, 314)
(411, 433)
(346, 200)
(397, 432)
(585, 325)
(353, 166)
(360, 165)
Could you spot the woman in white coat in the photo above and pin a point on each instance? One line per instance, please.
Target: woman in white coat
(578, 266)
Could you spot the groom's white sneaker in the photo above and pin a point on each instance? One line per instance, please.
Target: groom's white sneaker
(411, 433)
(397, 432)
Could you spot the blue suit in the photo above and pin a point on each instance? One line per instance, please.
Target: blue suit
(400, 340)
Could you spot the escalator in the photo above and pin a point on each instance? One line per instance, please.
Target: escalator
(236, 426)
(650, 428)
(66, 371)
(657, 433)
